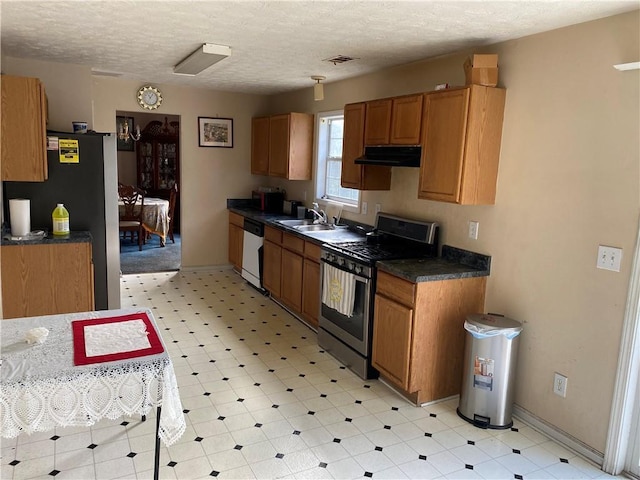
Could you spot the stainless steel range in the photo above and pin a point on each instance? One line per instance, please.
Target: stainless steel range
(348, 285)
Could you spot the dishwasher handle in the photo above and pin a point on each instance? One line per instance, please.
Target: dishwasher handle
(254, 227)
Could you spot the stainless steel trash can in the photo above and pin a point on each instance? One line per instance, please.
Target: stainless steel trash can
(490, 355)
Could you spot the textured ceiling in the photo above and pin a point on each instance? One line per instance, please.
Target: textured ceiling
(276, 45)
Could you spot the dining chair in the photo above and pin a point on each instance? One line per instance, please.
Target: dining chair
(131, 215)
(173, 194)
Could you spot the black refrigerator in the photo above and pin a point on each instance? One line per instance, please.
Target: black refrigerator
(88, 189)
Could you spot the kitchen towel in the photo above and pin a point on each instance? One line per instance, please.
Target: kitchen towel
(20, 214)
(338, 289)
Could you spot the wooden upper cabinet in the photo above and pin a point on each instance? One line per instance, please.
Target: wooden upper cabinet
(378, 122)
(361, 177)
(406, 119)
(394, 121)
(260, 146)
(291, 146)
(462, 131)
(24, 129)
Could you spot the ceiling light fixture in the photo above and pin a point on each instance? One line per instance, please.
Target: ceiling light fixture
(202, 58)
(627, 66)
(318, 88)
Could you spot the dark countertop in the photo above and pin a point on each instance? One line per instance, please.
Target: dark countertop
(453, 264)
(49, 239)
(350, 234)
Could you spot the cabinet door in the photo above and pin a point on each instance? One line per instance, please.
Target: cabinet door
(146, 165)
(311, 292)
(406, 120)
(378, 122)
(352, 145)
(260, 146)
(392, 329)
(167, 164)
(24, 142)
(271, 266)
(300, 146)
(279, 145)
(47, 279)
(444, 124)
(291, 293)
(236, 237)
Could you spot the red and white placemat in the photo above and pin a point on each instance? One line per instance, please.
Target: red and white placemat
(114, 338)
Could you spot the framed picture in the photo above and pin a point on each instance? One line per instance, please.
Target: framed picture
(122, 145)
(215, 132)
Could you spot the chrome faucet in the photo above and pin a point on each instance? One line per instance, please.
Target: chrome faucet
(319, 215)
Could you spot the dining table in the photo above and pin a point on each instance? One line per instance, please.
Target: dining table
(155, 217)
(75, 369)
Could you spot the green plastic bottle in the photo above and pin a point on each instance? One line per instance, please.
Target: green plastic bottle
(60, 217)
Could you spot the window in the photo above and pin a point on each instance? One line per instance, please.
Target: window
(329, 165)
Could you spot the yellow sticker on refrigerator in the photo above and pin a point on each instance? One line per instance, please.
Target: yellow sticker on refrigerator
(483, 373)
(68, 150)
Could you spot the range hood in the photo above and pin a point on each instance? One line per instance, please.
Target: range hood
(391, 155)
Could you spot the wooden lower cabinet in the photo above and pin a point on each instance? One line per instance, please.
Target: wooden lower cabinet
(292, 273)
(46, 279)
(236, 238)
(292, 266)
(272, 267)
(418, 333)
(311, 292)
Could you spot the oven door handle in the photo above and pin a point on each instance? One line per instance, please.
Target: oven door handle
(357, 277)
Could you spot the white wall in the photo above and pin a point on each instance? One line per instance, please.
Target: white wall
(208, 176)
(569, 180)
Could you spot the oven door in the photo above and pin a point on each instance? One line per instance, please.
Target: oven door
(353, 330)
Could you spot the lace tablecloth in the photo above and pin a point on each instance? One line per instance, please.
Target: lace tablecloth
(41, 388)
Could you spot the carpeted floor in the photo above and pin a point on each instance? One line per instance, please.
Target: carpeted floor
(152, 258)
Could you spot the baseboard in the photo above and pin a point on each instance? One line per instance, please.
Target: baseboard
(558, 435)
(206, 268)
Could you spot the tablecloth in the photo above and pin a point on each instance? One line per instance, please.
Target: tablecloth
(41, 388)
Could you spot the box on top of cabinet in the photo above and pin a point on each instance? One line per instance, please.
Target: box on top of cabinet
(482, 69)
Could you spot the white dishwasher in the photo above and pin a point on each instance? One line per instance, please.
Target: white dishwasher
(252, 252)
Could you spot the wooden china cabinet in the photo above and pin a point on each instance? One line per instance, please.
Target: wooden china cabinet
(158, 161)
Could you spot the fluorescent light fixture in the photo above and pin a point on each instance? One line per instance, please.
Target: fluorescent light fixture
(202, 58)
(627, 66)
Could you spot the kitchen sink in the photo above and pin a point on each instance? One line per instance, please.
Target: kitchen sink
(314, 227)
(296, 222)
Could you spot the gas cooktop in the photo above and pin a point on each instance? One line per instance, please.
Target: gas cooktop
(394, 238)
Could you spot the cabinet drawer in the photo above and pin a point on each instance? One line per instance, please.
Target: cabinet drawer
(236, 219)
(312, 251)
(273, 235)
(293, 243)
(396, 288)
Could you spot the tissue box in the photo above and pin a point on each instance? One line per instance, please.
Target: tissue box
(482, 69)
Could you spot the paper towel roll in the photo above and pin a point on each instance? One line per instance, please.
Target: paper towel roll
(20, 214)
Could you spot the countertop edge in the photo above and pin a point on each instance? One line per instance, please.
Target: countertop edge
(80, 236)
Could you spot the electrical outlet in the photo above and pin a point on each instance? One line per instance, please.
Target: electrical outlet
(304, 195)
(473, 230)
(609, 258)
(378, 207)
(560, 385)
(364, 208)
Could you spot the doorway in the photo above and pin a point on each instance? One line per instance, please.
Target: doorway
(151, 161)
